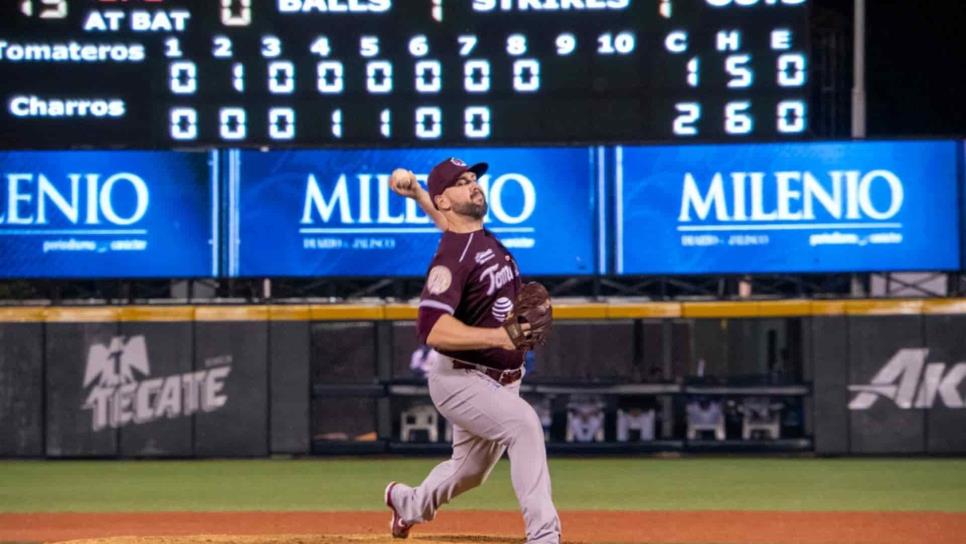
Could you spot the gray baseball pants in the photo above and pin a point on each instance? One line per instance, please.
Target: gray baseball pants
(488, 419)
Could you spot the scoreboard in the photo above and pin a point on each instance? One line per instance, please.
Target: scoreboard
(337, 73)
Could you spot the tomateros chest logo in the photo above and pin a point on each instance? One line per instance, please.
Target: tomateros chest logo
(908, 381)
(122, 391)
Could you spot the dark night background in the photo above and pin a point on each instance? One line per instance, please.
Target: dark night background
(916, 65)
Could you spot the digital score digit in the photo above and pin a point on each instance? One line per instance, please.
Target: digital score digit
(317, 73)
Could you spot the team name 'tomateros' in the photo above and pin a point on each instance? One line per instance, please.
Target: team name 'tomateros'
(71, 52)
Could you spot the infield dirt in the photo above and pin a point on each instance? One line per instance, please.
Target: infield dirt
(707, 527)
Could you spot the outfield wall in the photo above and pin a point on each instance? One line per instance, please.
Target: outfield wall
(876, 377)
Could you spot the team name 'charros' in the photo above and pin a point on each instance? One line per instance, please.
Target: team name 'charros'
(792, 196)
(366, 200)
(88, 199)
(35, 106)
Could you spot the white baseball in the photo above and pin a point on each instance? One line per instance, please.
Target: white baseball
(403, 179)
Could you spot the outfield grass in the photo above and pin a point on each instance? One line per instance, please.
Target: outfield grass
(579, 484)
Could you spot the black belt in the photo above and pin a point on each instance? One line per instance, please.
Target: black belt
(504, 377)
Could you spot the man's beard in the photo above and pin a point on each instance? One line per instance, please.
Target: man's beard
(471, 209)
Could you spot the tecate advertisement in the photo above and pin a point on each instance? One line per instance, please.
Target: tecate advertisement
(332, 213)
(107, 214)
(826, 207)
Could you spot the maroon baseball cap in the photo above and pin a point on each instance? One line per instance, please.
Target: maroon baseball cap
(445, 174)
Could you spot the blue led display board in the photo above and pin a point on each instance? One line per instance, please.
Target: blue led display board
(331, 213)
(107, 214)
(795, 208)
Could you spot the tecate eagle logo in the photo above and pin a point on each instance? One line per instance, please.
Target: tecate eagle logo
(909, 382)
(123, 391)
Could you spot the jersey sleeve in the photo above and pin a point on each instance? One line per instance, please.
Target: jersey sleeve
(442, 291)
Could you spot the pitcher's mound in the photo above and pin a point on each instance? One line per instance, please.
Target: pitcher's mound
(299, 539)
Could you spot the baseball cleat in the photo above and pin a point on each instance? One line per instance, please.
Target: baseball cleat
(397, 526)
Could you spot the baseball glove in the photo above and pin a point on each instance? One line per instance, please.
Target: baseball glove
(531, 306)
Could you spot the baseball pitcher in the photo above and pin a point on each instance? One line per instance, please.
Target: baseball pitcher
(476, 312)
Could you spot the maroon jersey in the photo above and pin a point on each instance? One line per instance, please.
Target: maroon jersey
(474, 279)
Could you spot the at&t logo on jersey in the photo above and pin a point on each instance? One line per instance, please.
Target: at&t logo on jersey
(908, 381)
(502, 308)
(122, 391)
